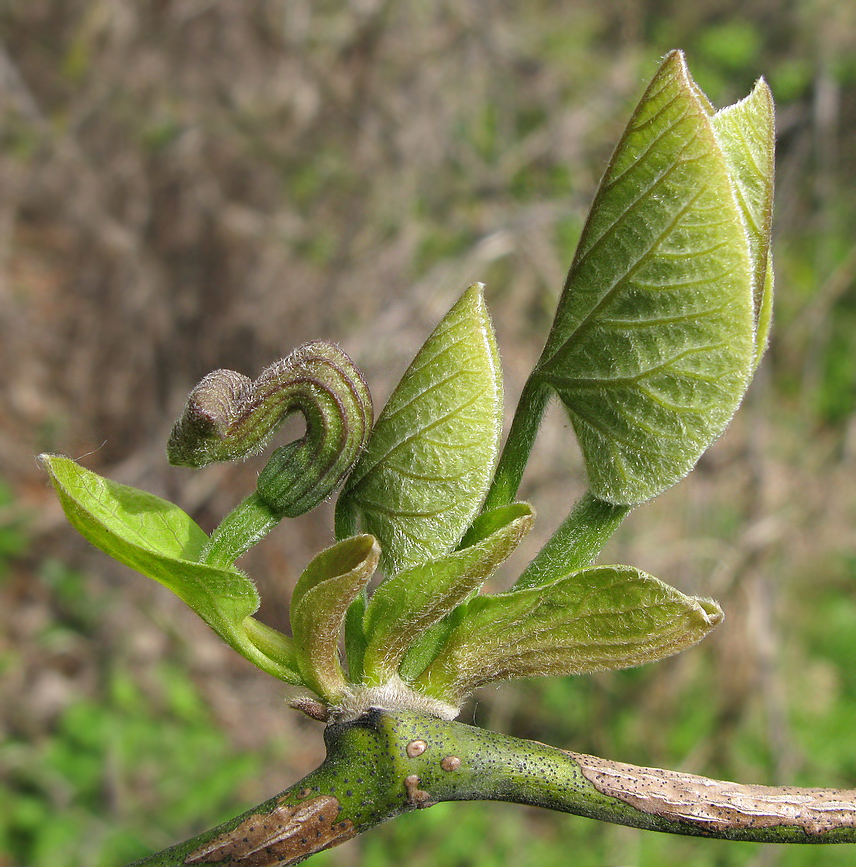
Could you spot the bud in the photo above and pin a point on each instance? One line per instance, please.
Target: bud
(229, 417)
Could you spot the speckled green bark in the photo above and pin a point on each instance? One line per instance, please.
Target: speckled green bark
(384, 764)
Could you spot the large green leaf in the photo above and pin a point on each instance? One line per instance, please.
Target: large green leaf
(157, 538)
(405, 606)
(603, 618)
(654, 338)
(321, 598)
(431, 454)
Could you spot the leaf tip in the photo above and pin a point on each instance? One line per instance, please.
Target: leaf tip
(762, 89)
(710, 611)
(53, 465)
(674, 57)
(46, 461)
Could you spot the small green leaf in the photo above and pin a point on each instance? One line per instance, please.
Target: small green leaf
(598, 619)
(654, 338)
(328, 585)
(405, 606)
(746, 134)
(431, 454)
(157, 538)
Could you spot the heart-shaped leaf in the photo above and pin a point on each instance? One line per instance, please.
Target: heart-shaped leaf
(328, 585)
(654, 338)
(606, 617)
(429, 460)
(405, 606)
(157, 538)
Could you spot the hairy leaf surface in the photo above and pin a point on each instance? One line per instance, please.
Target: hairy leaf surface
(429, 460)
(405, 606)
(328, 585)
(654, 337)
(746, 133)
(606, 617)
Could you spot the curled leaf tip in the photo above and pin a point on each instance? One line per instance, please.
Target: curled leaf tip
(710, 611)
(229, 417)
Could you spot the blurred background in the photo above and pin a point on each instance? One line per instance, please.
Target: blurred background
(192, 184)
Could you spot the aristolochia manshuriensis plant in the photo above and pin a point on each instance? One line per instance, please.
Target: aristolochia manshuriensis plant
(660, 326)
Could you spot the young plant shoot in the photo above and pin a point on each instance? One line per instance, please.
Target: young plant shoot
(659, 328)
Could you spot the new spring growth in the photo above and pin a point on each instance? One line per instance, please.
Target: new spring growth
(661, 324)
(667, 305)
(666, 308)
(229, 417)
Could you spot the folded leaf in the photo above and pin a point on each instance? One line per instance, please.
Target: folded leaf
(328, 585)
(405, 606)
(654, 338)
(430, 457)
(746, 134)
(606, 617)
(157, 538)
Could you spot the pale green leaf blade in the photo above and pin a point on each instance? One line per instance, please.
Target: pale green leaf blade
(598, 619)
(328, 585)
(764, 313)
(746, 134)
(129, 514)
(430, 457)
(158, 539)
(405, 606)
(652, 345)
(154, 537)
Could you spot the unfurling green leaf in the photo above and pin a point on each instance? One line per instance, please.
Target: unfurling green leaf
(328, 585)
(158, 539)
(606, 617)
(405, 606)
(745, 132)
(429, 460)
(664, 313)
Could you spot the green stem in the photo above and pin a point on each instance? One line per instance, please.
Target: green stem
(576, 543)
(385, 764)
(248, 523)
(274, 646)
(524, 428)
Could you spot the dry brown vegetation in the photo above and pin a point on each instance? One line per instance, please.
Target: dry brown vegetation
(192, 184)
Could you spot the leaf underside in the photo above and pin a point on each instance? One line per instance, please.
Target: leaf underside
(653, 342)
(603, 618)
(746, 133)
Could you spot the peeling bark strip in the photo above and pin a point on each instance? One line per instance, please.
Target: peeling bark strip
(284, 836)
(716, 805)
